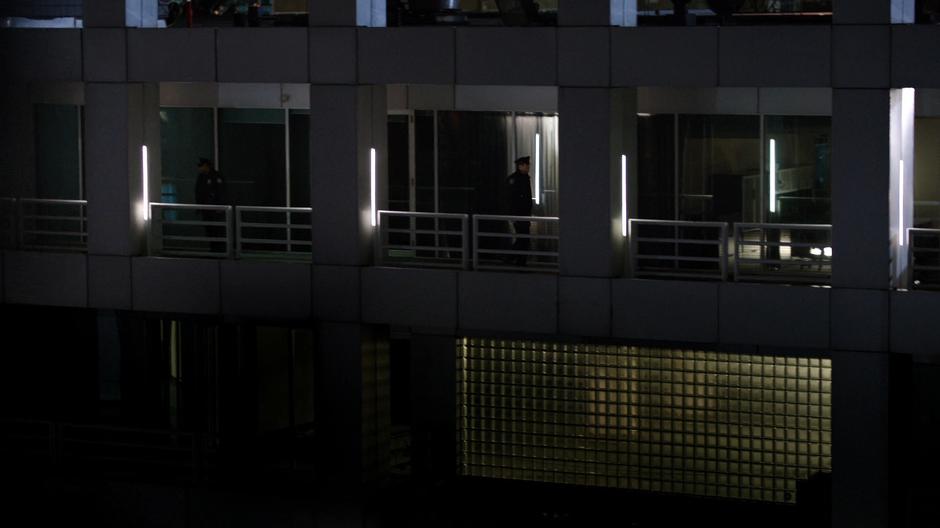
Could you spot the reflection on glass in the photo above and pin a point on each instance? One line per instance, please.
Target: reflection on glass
(186, 134)
(719, 168)
(253, 156)
(58, 151)
(656, 165)
(801, 147)
(927, 172)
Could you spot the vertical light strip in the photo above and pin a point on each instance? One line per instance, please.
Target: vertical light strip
(372, 181)
(773, 176)
(901, 233)
(538, 180)
(625, 220)
(145, 176)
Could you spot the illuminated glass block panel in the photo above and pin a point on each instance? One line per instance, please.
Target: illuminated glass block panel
(641, 418)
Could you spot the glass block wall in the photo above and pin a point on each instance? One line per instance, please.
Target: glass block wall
(641, 418)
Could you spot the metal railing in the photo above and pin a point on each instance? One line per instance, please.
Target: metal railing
(107, 449)
(792, 253)
(54, 225)
(7, 223)
(188, 230)
(679, 249)
(923, 246)
(422, 239)
(519, 243)
(282, 232)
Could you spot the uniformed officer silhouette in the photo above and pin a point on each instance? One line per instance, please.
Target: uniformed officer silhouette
(210, 190)
(520, 204)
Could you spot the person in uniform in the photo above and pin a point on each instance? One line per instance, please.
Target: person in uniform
(520, 204)
(210, 190)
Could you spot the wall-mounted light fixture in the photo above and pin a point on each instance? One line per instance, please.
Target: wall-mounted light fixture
(773, 176)
(625, 220)
(372, 183)
(145, 177)
(538, 177)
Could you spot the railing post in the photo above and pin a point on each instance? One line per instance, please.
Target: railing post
(464, 235)
(723, 252)
(736, 234)
(238, 232)
(378, 255)
(20, 222)
(149, 227)
(476, 248)
(229, 234)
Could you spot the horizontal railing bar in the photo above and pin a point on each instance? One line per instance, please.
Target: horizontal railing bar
(517, 252)
(272, 209)
(649, 273)
(194, 207)
(678, 223)
(281, 242)
(298, 227)
(171, 223)
(54, 233)
(423, 215)
(193, 238)
(680, 241)
(813, 227)
(670, 258)
(546, 219)
(56, 218)
(510, 235)
(780, 244)
(422, 232)
(451, 249)
(51, 201)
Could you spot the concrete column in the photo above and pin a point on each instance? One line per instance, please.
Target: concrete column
(860, 439)
(434, 405)
(597, 12)
(346, 122)
(861, 183)
(597, 126)
(363, 13)
(352, 403)
(119, 120)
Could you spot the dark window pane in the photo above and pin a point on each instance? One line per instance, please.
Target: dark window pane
(251, 148)
(58, 154)
(185, 136)
(656, 165)
(299, 158)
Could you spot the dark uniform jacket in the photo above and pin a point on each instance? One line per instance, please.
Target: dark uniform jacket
(520, 194)
(210, 188)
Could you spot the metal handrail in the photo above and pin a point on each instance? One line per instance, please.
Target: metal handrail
(425, 247)
(924, 261)
(218, 233)
(287, 246)
(509, 259)
(683, 265)
(46, 231)
(768, 267)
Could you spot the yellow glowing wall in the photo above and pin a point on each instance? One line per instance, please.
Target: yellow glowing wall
(663, 420)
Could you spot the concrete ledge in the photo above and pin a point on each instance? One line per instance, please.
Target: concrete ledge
(508, 302)
(176, 285)
(274, 55)
(105, 54)
(507, 56)
(774, 56)
(915, 56)
(773, 315)
(407, 55)
(109, 282)
(266, 290)
(52, 279)
(665, 310)
(336, 293)
(914, 328)
(332, 55)
(860, 320)
(410, 297)
(584, 306)
(159, 55)
(41, 54)
(583, 56)
(664, 56)
(861, 56)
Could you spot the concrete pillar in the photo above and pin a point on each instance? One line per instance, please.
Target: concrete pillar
(861, 180)
(346, 122)
(352, 403)
(860, 439)
(119, 120)
(597, 13)
(597, 127)
(434, 406)
(363, 13)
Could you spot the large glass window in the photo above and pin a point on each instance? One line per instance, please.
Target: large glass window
(299, 158)
(799, 147)
(719, 167)
(252, 156)
(58, 152)
(927, 172)
(186, 134)
(657, 166)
